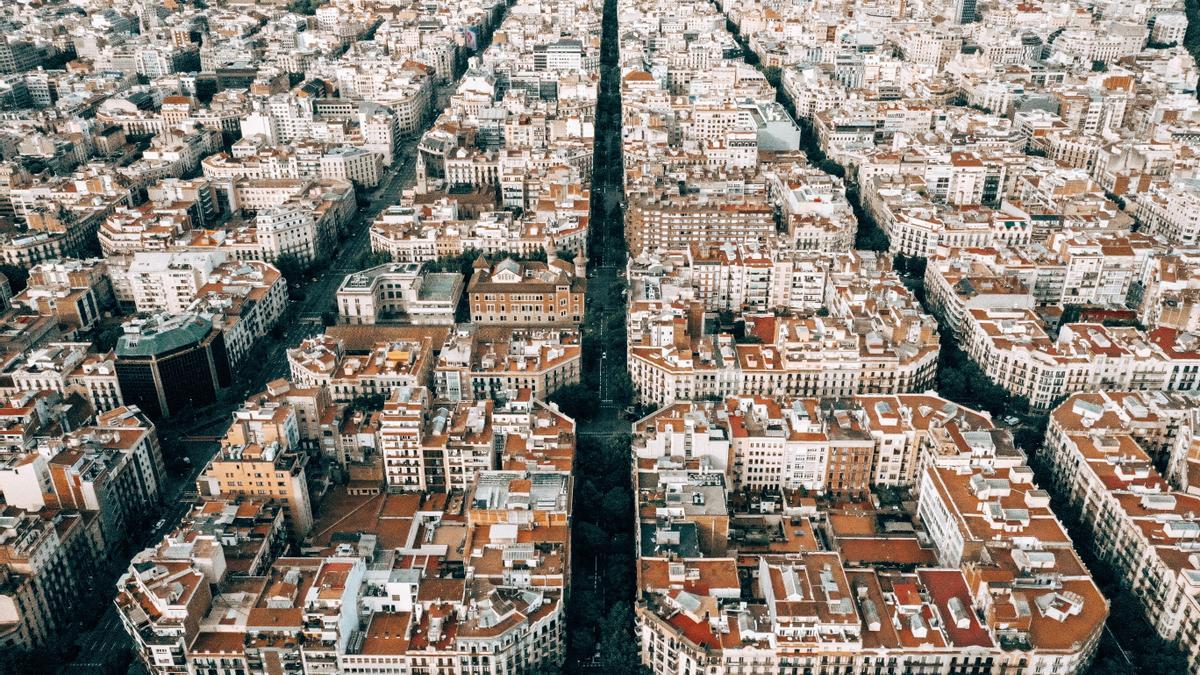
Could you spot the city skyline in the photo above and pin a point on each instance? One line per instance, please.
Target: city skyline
(492, 337)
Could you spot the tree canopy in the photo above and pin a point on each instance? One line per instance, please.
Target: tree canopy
(291, 267)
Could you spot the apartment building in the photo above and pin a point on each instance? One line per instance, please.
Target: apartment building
(958, 281)
(301, 217)
(112, 469)
(916, 225)
(1015, 351)
(453, 225)
(84, 282)
(60, 216)
(812, 207)
(46, 560)
(273, 470)
(1140, 522)
(359, 166)
(1169, 292)
(149, 227)
(742, 278)
(194, 195)
(165, 586)
(873, 330)
(374, 370)
(388, 365)
(771, 443)
(289, 230)
(663, 220)
(1171, 212)
(247, 300)
(938, 600)
(401, 434)
(1103, 269)
(318, 418)
(313, 362)
(492, 362)
(214, 594)
(1069, 268)
(401, 233)
(67, 368)
(71, 498)
(329, 593)
(444, 446)
(168, 281)
(17, 56)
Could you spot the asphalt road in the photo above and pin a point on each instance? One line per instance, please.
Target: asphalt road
(606, 243)
(100, 646)
(605, 251)
(106, 642)
(601, 280)
(320, 291)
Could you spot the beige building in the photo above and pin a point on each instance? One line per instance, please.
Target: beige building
(148, 227)
(659, 219)
(43, 565)
(444, 447)
(66, 368)
(1170, 290)
(165, 597)
(1172, 212)
(917, 225)
(259, 460)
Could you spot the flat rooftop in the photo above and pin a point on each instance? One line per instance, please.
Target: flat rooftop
(439, 285)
